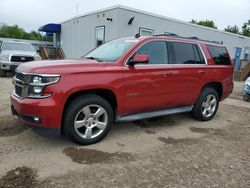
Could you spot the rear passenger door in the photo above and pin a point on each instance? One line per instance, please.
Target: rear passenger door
(189, 72)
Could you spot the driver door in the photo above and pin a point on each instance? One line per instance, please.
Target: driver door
(146, 85)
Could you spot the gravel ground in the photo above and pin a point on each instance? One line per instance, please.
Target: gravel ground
(171, 151)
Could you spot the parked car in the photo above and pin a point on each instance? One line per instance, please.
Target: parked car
(126, 79)
(14, 53)
(246, 90)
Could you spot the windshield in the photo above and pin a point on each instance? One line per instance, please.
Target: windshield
(13, 46)
(111, 51)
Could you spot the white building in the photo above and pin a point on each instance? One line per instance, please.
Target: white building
(83, 33)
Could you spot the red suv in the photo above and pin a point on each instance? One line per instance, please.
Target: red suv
(126, 79)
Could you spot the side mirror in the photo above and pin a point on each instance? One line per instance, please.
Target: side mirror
(140, 58)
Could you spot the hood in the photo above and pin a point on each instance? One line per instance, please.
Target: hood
(20, 53)
(62, 66)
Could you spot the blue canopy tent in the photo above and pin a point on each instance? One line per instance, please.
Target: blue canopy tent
(50, 29)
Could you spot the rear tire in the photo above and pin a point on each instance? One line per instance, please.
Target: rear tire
(2, 73)
(207, 105)
(87, 119)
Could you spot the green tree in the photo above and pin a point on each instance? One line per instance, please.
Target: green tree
(232, 29)
(206, 23)
(18, 33)
(246, 29)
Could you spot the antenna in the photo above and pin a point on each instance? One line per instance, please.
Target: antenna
(77, 4)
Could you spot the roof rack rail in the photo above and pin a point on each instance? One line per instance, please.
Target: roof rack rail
(168, 34)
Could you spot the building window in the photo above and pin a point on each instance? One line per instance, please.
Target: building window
(146, 32)
(100, 35)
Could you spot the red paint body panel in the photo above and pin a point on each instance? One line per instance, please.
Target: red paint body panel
(137, 89)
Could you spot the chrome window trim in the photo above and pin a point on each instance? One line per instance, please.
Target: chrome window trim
(168, 64)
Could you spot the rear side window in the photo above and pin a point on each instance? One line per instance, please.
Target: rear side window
(219, 54)
(183, 53)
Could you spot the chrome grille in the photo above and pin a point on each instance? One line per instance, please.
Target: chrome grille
(18, 91)
(20, 76)
(21, 84)
(21, 58)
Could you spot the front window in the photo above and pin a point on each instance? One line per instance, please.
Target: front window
(156, 50)
(13, 46)
(111, 51)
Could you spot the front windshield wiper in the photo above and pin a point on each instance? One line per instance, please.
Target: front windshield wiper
(94, 58)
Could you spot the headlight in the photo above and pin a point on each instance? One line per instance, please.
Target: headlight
(38, 84)
(5, 57)
(37, 58)
(43, 80)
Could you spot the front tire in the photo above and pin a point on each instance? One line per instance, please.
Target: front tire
(207, 105)
(88, 119)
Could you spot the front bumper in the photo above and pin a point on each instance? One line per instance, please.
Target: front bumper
(9, 66)
(37, 112)
(246, 89)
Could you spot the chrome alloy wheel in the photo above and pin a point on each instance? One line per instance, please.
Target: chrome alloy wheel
(91, 121)
(209, 105)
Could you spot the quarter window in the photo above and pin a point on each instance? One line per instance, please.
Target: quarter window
(100, 35)
(156, 50)
(219, 54)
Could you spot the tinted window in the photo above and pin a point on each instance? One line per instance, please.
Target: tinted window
(198, 55)
(219, 54)
(184, 53)
(156, 50)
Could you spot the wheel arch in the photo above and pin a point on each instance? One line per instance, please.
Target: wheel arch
(217, 86)
(107, 94)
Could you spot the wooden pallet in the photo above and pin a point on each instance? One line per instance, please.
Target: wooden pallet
(243, 74)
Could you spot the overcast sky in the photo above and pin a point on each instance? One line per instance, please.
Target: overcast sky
(30, 14)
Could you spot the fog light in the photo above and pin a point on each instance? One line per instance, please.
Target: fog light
(37, 119)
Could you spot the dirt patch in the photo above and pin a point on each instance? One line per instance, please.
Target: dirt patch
(219, 132)
(150, 132)
(171, 140)
(90, 156)
(19, 177)
(155, 122)
(199, 130)
(6, 131)
(120, 144)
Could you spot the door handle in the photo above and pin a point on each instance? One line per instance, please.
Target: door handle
(200, 71)
(167, 74)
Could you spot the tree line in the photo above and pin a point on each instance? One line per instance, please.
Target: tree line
(245, 28)
(19, 33)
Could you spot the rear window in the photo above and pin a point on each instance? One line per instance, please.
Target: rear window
(219, 54)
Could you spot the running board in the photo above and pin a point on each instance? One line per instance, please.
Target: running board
(157, 113)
